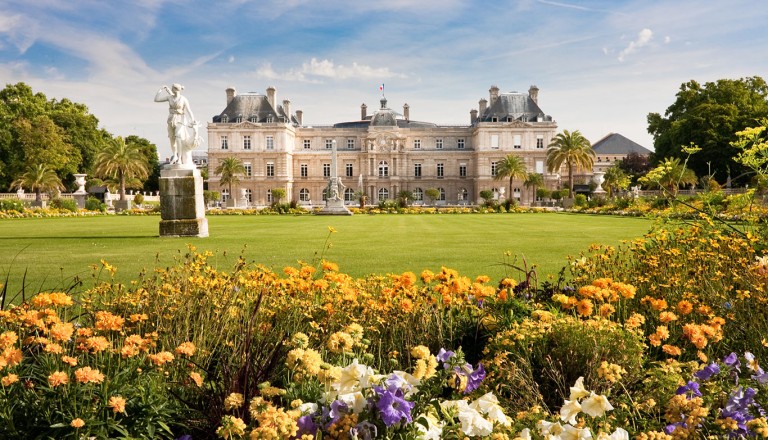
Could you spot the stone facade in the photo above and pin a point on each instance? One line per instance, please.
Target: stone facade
(381, 153)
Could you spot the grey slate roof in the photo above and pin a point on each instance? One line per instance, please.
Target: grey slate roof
(513, 106)
(615, 143)
(384, 117)
(251, 105)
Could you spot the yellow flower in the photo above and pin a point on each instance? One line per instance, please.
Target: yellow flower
(9, 379)
(186, 348)
(77, 423)
(58, 378)
(420, 352)
(233, 401)
(7, 339)
(340, 342)
(88, 375)
(69, 360)
(117, 403)
(106, 321)
(196, 378)
(161, 358)
(62, 331)
(231, 428)
(331, 229)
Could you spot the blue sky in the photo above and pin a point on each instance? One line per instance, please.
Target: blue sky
(601, 66)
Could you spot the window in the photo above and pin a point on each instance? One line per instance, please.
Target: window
(383, 194)
(249, 195)
(224, 143)
(441, 197)
(270, 142)
(326, 170)
(349, 195)
(383, 169)
(460, 144)
(253, 119)
(439, 144)
(417, 170)
(304, 169)
(350, 170)
(495, 141)
(328, 144)
(416, 144)
(493, 168)
(540, 167)
(494, 119)
(270, 169)
(224, 118)
(269, 196)
(224, 195)
(350, 144)
(517, 144)
(418, 195)
(440, 170)
(539, 141)
(462, 170)
(239, 119)
(246, 142)
(269, 119)
(248, 169)
(304, 195)
(307, 144)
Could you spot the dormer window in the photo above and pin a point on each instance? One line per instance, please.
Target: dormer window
(269, 119)
(239, 119)
(224, 118)
(253, 119)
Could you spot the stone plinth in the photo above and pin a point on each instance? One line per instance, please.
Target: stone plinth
(334, 207)
(182, 208)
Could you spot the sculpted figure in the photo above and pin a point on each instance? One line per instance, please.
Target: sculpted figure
(180, 117)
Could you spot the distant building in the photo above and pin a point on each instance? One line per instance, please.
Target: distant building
(613, 148)
(381, 153)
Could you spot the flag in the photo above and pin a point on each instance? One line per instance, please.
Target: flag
(381, 87)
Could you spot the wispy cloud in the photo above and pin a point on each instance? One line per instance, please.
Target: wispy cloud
(643, 38)
(577, 7)
(314, 70)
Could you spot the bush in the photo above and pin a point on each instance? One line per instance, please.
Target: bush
(65, 204)
(556, 195)
(211, 196)
(11, 205)
(138, 198)
(580, 200)
(543, 193)
(94, 204)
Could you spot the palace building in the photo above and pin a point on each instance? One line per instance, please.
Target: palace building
(380, 154)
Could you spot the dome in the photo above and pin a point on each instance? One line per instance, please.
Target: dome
(384, 117)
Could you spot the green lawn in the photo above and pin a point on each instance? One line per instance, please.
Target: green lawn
(53, 251)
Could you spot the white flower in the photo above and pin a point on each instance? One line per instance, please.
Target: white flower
(308, 408)
(488, 404)
(546, 428)
(354, 377)
(618, 434)
(596, 405)
(525, 434)
(433, 430)
(577, 390)
(473, 423)
(574, 433)
(569, 411)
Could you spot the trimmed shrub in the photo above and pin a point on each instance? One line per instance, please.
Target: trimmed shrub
(11, 205)
(65, 204)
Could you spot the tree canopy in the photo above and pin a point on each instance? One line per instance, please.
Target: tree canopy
(709, 116)
(121, 160)
(572, 149)
(511, 167)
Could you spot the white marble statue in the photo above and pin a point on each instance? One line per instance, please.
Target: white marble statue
(183, 129)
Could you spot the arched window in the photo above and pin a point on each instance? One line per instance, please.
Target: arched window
(383, 194)
(418, 195)
(249, 196)
(349, 195)
(442, 194)
(383, 169)
(269, 196)
(325, 194)
(304, 195)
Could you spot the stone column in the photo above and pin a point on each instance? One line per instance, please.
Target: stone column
(182, 207)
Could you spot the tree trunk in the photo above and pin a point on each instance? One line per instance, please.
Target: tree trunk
(38, 196)
(122, 185)
(570, 180)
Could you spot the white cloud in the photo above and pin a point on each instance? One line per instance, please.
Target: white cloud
(315, 69)
(231, 59)
(19, 31)
(667, 40)
(643, 38)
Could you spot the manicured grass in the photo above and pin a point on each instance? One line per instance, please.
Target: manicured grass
(53, 251)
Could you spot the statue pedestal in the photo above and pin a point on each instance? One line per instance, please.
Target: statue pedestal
(182, 207)
(80, 199)
(334, 207)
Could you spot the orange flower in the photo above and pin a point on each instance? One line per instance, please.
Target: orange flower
(77, 423)
(186, 348)
(666, 317)
(11, 357)
(62, 331)
(9, 379)
(584, 307)
(684, 307)
(602, 283)
(60, 299)
(627, 291)
(330, 267)
(7, 339)
(606, 310)
(97, 344)
(196, 378)
(88, 375)
(136, 317)
(117, 404)
(671, 350)
(69, 360)
(58, 378)
(53, 348)
(106, 321)
(161, 358)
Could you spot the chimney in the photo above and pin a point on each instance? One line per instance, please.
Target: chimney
(231, 93)
(483, 104)
(271, 96)
(494, 92)
(287, 109)
(407, 112)
(363, 111)
(533, 92)
(473, 116)
(300, 117)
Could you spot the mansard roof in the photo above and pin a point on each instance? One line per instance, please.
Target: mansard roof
(615, 143)
(251, 105)
(513, 106)
(384, 117)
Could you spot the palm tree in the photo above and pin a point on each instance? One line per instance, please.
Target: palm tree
(534, 181)
(122, 162)
(39, 179)
(615, 179)
(512, 167)
(571, 149)
(229, 169)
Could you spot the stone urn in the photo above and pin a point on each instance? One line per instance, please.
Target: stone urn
(80, 181)
(599, 177)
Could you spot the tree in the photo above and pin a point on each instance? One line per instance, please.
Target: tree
(635, 165)
(278, 194)
(615, 179)
(404, 197)
(229, 170)
(45, 143)
(512, 167)
(669, 176)
(432, 194)
(533, 182)
(121, 161)
(709, 115)
(149, 151)
(38, 178)
(571, 149)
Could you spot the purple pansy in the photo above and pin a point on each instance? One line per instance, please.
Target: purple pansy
(732, 361)
(690, 389)
(364, 430)
(393, 407)
(444, 356)
(707, 372)
(306, 426)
